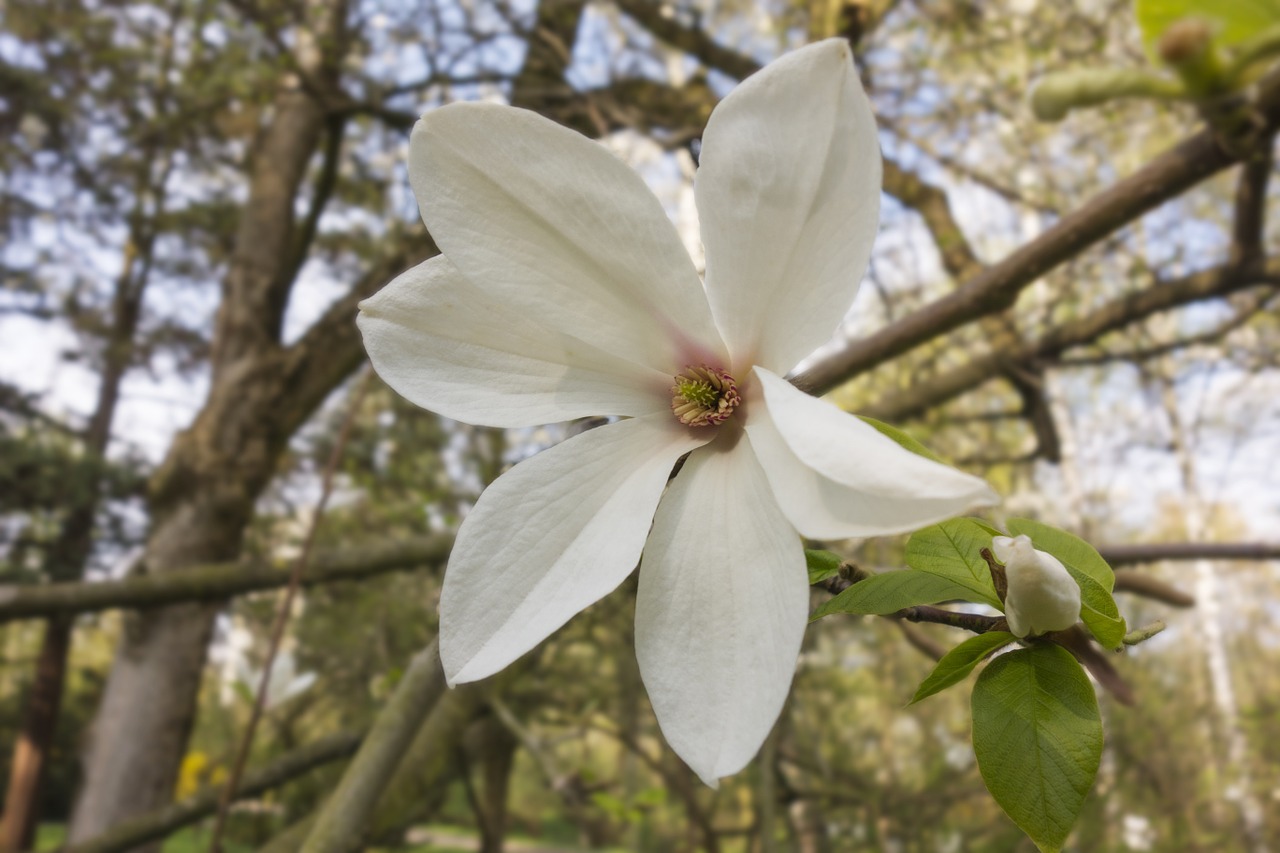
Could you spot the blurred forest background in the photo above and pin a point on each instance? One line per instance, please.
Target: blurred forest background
(194, 194)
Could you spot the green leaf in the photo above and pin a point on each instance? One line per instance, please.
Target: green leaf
(1234, 21)
(956, 664)
(822, 564)
(950, 550)
(1038, 739)
(889, 592)
(905, 440)
(1100, 614)
(1098, 607)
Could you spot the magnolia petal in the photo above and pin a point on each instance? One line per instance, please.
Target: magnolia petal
(552, 224)
(549, 537)
(836, 477)
(788, 195)
(721, 611)
(447, 346)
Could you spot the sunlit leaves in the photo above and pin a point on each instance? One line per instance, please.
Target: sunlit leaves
(951, 550)
(890, 592)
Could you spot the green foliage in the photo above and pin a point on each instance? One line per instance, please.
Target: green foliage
(960, 661)
(1234, 22)
(1038, 739)
(821, 564)
(950, 550)
(904, 439)
(889, 592)
(1096, 579)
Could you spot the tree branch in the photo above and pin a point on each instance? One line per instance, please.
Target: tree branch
(344, 820)
(931, 202)
(218, 581)
(1251, 208)
(692, 40)
(162, 822)
(1246, 311)
(1120, 312)
(224, 580)
(997, 287)
(1120, 555)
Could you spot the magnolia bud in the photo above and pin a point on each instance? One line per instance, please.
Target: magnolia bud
(1042, 596)
(1184, 40)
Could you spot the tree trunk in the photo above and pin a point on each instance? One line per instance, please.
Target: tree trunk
(21, 805)
(204, 494)
(202, 498)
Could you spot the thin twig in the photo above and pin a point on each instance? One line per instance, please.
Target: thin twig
(284, 611)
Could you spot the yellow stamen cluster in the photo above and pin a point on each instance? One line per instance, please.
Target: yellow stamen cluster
(704, 396)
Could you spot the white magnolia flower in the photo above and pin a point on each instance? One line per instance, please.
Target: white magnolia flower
(1041, 596)
(285, 681)
(563, 291)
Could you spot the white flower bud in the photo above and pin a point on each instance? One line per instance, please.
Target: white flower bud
(1042, 596)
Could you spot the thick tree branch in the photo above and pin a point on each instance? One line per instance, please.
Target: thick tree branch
(343, 823)
(219, 581)
(224, 580)
(992, 289)
(1246, 310)
(331, 349)
(164, 821)
(1121, 555)
(1251, 208)
(997, 287)
(1114, 315)
(325, 183)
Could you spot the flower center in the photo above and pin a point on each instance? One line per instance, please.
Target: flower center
(704, 396)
